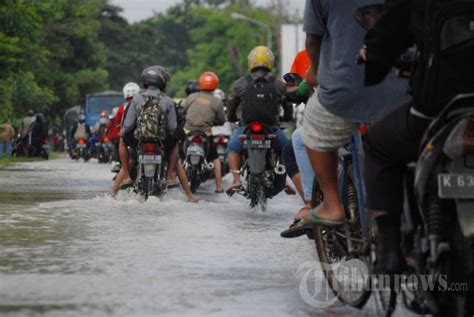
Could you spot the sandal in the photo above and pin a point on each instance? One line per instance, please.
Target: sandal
(307, 226)
(296, 221)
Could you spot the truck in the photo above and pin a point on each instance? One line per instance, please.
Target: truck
(101, 101)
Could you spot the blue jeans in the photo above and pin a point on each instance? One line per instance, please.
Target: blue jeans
(304, 165)
(235, 144)
(8, 148)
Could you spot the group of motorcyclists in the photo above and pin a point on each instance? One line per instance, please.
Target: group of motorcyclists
(339, 96)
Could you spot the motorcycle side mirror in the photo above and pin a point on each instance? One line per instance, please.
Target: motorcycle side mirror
(367, 16)
(293, 79)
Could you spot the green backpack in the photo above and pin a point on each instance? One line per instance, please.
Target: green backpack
(151, 120)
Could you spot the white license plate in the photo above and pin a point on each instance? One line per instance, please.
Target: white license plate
(456, 186)
(81, 146)
(150, 159)
(257, 144)
(195, 150)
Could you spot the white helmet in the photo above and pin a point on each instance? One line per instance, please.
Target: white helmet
(130, 90)
(219, 93)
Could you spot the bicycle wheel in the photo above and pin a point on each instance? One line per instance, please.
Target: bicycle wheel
(341, 253)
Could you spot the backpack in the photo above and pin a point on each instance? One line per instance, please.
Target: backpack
(447, 64)
(259, 102)
(81, 132)
(151, 120)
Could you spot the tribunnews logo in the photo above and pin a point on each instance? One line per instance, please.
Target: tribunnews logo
(353, 277)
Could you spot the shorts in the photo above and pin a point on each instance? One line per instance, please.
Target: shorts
(324, 131)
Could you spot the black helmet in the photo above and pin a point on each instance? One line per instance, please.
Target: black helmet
(191, 87)
(157, 76)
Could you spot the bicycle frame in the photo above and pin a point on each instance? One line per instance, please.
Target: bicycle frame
(355, 154)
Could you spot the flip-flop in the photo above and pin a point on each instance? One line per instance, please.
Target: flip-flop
(297, 221)
(232, 190)
(172, 184)
(306, 227)
(126, 184)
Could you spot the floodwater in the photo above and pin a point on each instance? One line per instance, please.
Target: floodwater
(66, 249)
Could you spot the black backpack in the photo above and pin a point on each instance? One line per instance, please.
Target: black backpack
(260, 101)
(447, 63)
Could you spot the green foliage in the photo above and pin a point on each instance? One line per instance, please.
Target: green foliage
(54, 52)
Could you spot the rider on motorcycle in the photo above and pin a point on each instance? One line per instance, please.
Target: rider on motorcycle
(260, 62)
(26, 126)
(203, 111)
(155, 79)
(394, 141)
(129, 91)
(80, 130)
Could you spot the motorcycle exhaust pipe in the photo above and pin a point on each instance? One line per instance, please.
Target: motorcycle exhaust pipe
(210, 166)
(280, 169)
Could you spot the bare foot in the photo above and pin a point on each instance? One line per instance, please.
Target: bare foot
(192, 199)
(230, 191)
(303, 212)
(328, 212)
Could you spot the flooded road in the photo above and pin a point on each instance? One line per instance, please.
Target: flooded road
(66, 249)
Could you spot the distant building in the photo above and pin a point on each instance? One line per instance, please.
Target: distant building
(292, 41)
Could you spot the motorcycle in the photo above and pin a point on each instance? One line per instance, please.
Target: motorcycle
(104, 150)
(196, 147)
(263, 176)
(438, 227)
(151, 169)
(221, 135)
(82, 150)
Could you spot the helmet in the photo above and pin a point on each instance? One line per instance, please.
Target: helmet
(81, 118)
(130, 90)
(191, 87)
(219, 94)
(157, 76)
(261, 56)
(103, 120)
(31, 113)
(208, 81)
(104, 114)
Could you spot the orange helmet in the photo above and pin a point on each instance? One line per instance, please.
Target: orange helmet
(208, 81)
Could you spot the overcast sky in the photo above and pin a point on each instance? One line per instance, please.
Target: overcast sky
(136, 10)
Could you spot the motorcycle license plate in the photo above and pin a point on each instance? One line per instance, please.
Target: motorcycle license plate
(150, 159)
(195, 150)
(456, 186)
(257, 144)
(81, 146)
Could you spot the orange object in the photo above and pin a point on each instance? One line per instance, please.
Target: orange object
(301, 64)
(208, 81)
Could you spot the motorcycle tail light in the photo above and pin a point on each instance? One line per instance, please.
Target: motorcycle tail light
(461, 139)
(256, 127)
(81, 141)
(105, 140)
(220, 140)
(257, 136)
(149, 147)
(197, 139)
(363, 129)
(45, 142)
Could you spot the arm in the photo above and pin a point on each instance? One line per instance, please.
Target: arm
(234, 100)
(170, 114)
(131, 117)
(220, 115)
(313, 47)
